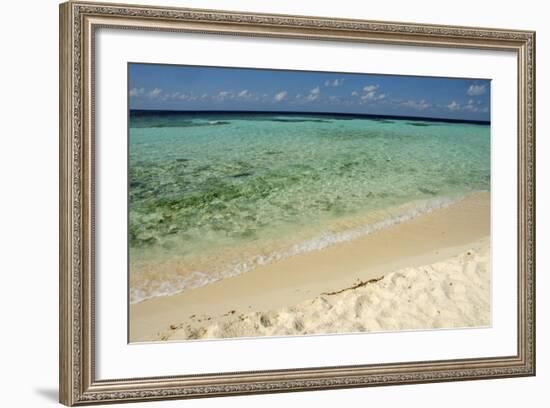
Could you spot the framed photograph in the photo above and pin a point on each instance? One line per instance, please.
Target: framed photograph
(256, 203)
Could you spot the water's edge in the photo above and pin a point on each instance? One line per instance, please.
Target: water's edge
(320, 242)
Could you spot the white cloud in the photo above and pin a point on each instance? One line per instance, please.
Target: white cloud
(454, 106)
(475, 90)
(155, 93)
(223, 95)
(135, 92)
(180, 96)
(370, 88)
(369, 96)
(369, 93)
(475, 106)
(314, 94)
(174, 96)
(160, 95)
(335, 82)
(244, 94)
(471, 106)
(279, 96)
(418, 105)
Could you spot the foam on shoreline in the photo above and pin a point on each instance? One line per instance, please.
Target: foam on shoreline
(196, 279)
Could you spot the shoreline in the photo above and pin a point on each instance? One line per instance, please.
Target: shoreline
(427, 239)
(175, 276)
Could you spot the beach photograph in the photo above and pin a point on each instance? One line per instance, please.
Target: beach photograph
(269, 202)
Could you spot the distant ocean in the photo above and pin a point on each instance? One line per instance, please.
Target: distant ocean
(212, 195)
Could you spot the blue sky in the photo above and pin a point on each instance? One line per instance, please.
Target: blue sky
(171, 87)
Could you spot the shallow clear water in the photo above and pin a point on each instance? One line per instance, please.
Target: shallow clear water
(212, 195)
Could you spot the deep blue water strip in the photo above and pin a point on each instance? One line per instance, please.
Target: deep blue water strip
(144, 113)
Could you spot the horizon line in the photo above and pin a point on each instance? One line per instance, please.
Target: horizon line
(405, 117)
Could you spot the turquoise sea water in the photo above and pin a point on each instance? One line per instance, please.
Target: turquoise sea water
(213, 194)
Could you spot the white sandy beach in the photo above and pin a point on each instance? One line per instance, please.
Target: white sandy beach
(448, 294)
(426, 273)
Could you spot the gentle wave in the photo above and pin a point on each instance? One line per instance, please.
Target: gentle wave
(322, 241)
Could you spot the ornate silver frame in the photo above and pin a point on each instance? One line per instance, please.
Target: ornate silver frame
(78, 22)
